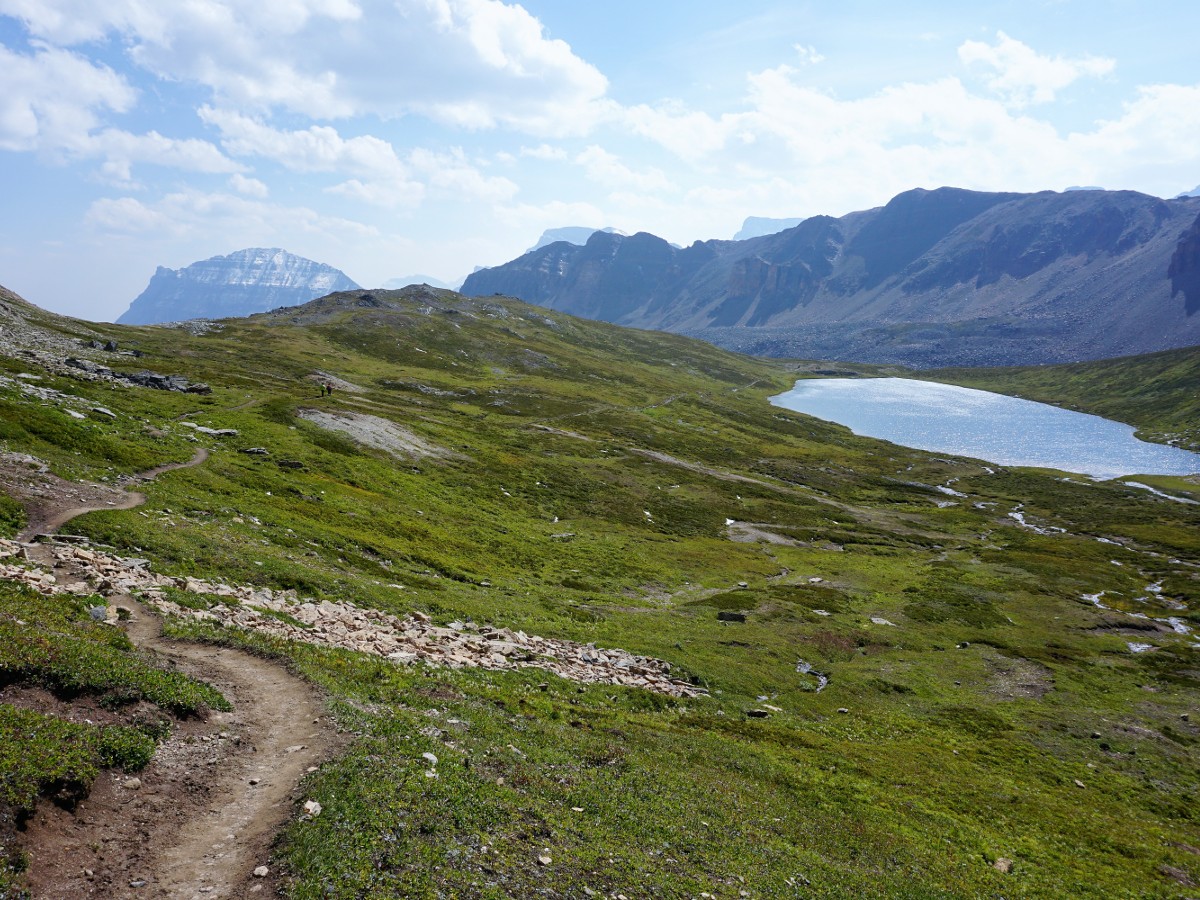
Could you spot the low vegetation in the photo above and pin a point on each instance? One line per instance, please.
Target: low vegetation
(52, 651)
(924, 698)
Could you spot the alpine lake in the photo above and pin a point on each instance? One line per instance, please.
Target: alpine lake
(996, 428)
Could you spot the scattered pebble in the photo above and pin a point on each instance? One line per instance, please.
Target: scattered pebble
(262, 872)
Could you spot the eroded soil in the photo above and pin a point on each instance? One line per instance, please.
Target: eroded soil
(201, 817)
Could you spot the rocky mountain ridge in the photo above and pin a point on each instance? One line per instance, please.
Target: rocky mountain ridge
(248, 281)
(942, 277)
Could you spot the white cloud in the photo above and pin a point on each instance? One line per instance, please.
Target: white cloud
(249, 187)
(607, 169)
(530, 219)
(689, 134)
(452, 172)
(52, 99)
(318, 148)
(808, 54)
(379, 175)
(53, 102)
(545, 152)
(238, 219)
(125, 214)
(471, 63)
(1023, 76)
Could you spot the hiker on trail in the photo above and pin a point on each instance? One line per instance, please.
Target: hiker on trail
(329, 389)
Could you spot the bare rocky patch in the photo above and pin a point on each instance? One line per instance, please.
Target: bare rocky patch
(283, 614)
(338, 384)
(754, 533)
(1014, 678)
(380, 434)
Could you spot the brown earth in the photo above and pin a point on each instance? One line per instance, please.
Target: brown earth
(202, 816)
(50, 502)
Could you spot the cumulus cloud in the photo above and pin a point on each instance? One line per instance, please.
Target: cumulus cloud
(188, 213)
(1023, 76)
(471, 63)
(607, 169)
(791, 149)
(545, 152)
(249, 187)
(808, 54)
(52, 99)
(451, 171)
(379, 175)
(319, 148)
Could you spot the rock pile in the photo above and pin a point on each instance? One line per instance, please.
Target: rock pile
(283, 614)
(144, 378)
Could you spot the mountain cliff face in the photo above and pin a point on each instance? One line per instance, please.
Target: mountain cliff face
(943, 277)
(1185, 268)
(248, 281)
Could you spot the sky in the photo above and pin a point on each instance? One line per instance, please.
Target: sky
(392, 138)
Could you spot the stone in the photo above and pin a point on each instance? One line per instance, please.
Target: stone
(544, 859)
(843, 710)
(312, 808)
(433, 760)
(133, 784)
(1003, 864)
(262, 872)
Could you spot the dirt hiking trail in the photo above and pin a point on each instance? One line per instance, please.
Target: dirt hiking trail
(200, 819)
(52, 508)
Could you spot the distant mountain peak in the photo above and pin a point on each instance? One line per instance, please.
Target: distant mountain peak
(244, 282)
(760, 226)
(572, 234)
(934, 277)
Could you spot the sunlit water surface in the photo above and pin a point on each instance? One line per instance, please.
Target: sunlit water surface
(1005, 430)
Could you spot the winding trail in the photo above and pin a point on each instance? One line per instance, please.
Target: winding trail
(51, 518)
(202, 816)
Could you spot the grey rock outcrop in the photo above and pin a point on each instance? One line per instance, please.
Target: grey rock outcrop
(240, 284)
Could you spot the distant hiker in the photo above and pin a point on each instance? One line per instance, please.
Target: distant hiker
(329, 389)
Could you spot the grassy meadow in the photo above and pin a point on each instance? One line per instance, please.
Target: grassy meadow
(581, 483)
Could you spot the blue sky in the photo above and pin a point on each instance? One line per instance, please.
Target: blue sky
(396, 137)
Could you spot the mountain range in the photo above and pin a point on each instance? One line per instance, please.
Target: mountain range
(933, 278)
(240, 284)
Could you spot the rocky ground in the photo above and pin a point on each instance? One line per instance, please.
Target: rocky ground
(408, 639)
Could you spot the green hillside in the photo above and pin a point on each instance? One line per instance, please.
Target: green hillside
(986, 730)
